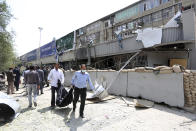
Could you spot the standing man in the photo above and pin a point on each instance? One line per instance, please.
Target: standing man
(10, 80)
(79, 82)
(17, 78)
(32, 82)
(54, 76)
(46, 72)
(41, 79)
(24, 73)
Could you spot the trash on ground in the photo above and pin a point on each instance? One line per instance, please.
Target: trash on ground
(92, 100)
(127, 102)
(139, 103)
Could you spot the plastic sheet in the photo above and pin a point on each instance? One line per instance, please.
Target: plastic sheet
(150, 36)
(64, 98)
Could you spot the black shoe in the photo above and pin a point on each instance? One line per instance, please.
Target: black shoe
(52, 107)
(35, 104)
(82, 116)
(42, 93)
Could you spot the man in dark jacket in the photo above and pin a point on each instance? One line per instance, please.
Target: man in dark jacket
(41, 78)
(32, 82)
(10, 79)
(46, 72)
(16, 71)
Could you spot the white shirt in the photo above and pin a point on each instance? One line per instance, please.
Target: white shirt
(54, 76)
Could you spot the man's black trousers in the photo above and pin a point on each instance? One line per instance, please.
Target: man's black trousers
(16, 84)
(79, 92)
(53, 89)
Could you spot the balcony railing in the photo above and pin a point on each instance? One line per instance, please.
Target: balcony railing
(129, 44)
(172, 34)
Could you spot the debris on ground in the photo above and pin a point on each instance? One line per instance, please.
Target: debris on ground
(91, 100)
(139, 103)
(127, 102)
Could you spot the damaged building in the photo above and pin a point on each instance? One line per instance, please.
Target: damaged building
(163, 29)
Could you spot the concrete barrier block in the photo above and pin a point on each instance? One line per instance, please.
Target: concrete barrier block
(119, 87)
(167, 88)
(68, 77)
(93, 77)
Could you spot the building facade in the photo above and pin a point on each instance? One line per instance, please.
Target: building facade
(164, 30)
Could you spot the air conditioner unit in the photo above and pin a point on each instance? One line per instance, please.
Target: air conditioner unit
(107, 24)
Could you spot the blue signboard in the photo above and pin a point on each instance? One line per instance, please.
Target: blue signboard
(48, 49)
(31, 56)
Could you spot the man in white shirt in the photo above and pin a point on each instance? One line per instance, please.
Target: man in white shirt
(54, 76)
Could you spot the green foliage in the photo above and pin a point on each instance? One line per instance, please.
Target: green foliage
(7, 55)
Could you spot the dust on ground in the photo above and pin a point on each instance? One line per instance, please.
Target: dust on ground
(112, 115)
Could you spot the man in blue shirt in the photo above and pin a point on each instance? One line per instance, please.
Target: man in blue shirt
(79, 82)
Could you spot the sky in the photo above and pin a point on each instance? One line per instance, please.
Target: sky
(56, 17)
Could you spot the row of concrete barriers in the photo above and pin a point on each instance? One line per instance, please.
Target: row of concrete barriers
(167, 87)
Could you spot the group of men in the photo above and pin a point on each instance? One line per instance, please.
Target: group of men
(14, 78)
(34, 78)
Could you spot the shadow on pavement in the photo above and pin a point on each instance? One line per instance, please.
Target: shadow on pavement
(63, 112)
(44, 110)
(73, 122)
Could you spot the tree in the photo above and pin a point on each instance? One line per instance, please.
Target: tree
(7, 54)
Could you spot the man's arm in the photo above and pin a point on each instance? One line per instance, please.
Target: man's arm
(25, 78)
(73, 79)
(62, 78)
(43, 75)
(90, 83)
(37, 80)
(50, 75)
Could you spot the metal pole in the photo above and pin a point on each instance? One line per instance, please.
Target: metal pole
(40, 29)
